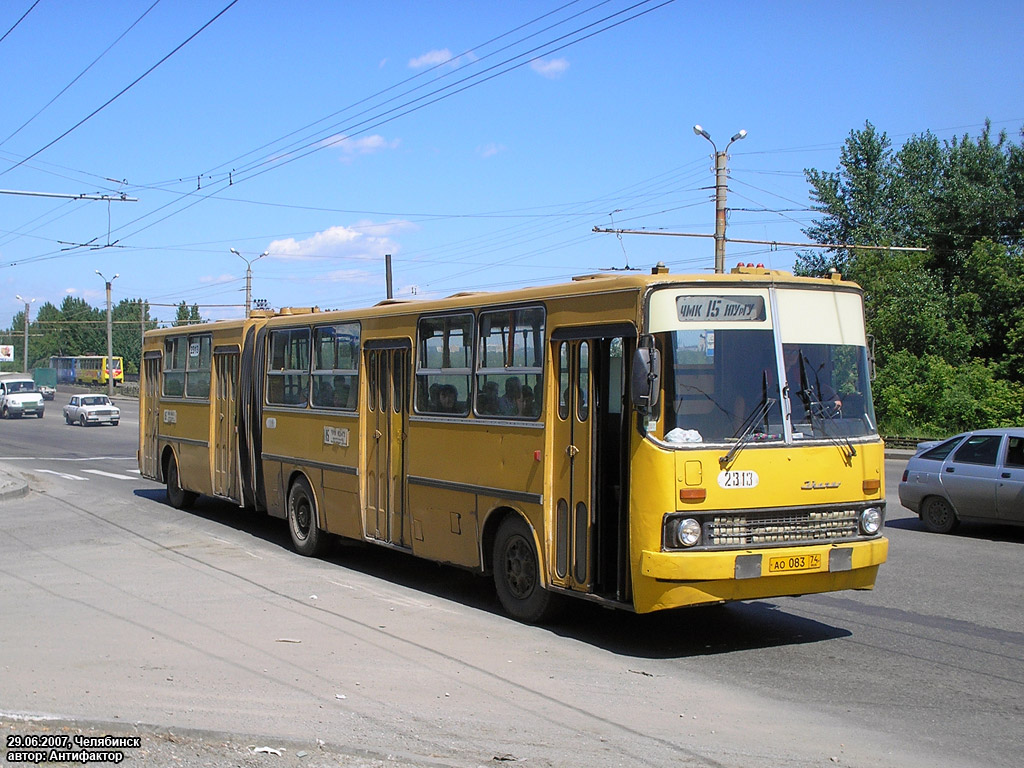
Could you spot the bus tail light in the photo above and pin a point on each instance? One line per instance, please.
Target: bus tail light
(693, 494)
(871, 486)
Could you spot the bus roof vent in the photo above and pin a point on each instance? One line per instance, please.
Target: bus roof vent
(297, 310)
(598, 276)
(389, 302)
(460, 294)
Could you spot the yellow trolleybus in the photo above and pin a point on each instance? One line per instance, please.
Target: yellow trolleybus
(644, 441)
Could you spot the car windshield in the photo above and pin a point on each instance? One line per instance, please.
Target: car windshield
(21, 386)
(723, 385)
(96, 400)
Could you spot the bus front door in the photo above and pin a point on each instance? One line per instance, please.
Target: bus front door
(591, 464)
(388, 373)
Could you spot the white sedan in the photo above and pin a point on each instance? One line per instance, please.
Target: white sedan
(91, 409)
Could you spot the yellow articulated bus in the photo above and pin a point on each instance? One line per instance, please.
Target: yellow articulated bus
(93, 369)
(644, 441)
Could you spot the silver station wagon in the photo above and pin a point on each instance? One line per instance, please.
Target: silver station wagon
(976, 476)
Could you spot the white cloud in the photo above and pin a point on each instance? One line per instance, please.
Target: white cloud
(362, 241)
(490, 150)
(442, 56)
(363, 145)
(551, 69)
(217, 279)
(430, 59)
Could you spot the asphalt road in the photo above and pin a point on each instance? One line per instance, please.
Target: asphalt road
(205, 635)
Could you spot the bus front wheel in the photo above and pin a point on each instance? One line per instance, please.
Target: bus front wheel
(178, 496)
(517, 573)
(307, 537)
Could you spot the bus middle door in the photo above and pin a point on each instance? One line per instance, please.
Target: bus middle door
(387, 365)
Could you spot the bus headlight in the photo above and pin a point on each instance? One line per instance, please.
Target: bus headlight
(685, 532)
(870, 521)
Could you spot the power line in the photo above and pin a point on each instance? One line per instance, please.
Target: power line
(122, 91)
(80, 74)
(26, 13)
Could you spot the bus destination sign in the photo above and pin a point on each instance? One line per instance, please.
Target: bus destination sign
(696, 309)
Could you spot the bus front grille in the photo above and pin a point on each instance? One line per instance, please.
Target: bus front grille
(775, 529)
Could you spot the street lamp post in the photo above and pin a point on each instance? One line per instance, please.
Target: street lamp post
(721, 179)
(110, 338)
(248, 277)
(28, 304)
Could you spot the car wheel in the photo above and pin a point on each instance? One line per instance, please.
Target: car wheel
(517, 573)
(67, 419)
(307, 537)
(115, 423)
(40, 414)
(176, 495)
(938, 516)
(81, 420)
(6, 413)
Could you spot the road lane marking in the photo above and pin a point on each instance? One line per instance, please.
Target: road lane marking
(61, 474)
(108, 474)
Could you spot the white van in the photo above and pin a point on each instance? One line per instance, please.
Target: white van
(19, 396)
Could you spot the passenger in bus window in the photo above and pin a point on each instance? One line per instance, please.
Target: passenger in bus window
(487, 399)
(447, 396)
(529, 403)
(511, 403)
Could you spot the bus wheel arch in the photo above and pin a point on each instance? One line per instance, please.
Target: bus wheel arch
(301, 509)
(178, 497)
(517, 567)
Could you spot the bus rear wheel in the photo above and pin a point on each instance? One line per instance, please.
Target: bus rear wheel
(178, 496)
(307, 537)
(517, 573)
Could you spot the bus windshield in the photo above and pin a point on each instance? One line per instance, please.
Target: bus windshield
(723, 384)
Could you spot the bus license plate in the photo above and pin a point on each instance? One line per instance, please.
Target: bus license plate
(810, 562)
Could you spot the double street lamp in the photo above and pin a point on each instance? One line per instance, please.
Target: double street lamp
(721, 177)
(28, 304)
(248, 277)
(110, 340)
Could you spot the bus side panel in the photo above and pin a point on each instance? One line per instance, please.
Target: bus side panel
(341, 504)
(458, 469)
(444, 525)
(190, 423)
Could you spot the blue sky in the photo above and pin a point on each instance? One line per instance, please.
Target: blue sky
(291, 128)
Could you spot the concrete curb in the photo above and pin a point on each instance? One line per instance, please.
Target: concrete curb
(11, 487)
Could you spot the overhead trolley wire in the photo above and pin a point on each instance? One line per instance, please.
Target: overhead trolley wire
(122, 91)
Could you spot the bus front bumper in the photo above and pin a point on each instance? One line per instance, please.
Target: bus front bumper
(675, 579)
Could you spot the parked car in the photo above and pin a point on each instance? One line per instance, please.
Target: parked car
(91, 409)
(975, 476)
(19, 396)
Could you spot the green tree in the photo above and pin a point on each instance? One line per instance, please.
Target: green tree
(956, 309)
(187, 315)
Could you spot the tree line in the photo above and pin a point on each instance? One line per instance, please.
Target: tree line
(947, 322)
(77, 328)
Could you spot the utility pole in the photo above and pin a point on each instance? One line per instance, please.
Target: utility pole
(248, 277)
(110, 337)
(28, 304)
(721, 189)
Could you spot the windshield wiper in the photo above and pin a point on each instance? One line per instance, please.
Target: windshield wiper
(747, 430)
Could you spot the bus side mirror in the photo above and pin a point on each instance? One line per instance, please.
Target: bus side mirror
(646, 382)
